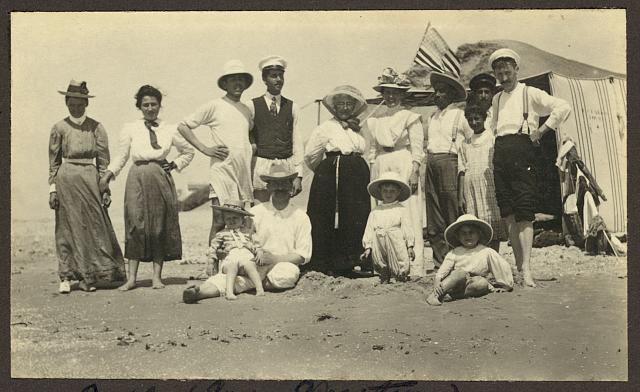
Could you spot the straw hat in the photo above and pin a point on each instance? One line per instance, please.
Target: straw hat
(234, 206)
(278, 172)
(482, 79)
(451, 233)
(77, 90)
(389, 177)
(504, 53)
(351, 91)
(234, 67)
(272, 61)
(458, 88)
(391, 79)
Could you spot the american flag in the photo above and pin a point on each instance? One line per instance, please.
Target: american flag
(436, 54)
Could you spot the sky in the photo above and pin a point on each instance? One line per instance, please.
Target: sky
(182, 53)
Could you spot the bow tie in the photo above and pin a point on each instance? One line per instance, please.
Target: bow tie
(153, 138)
(150, 123)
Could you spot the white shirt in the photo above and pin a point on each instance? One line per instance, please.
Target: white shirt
(330, 136)
(79, 120)
(282, 231)
(478, 261)
(508, 119)
(135, 142)
(298, 147)
(444, 126)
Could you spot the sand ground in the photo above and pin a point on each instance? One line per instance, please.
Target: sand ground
(572, 327)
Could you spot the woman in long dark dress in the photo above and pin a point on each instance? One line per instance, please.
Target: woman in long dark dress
(151, 222)
(86, 244)
(338, 199)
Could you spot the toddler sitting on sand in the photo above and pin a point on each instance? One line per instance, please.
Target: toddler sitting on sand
(465, 271)
(388, 236)
(233, 249)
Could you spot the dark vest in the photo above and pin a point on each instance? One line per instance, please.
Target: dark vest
(273, 135)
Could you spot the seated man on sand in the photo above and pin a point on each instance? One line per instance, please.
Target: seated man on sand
(284, 233)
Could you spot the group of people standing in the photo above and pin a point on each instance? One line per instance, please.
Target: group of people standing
(257, 157)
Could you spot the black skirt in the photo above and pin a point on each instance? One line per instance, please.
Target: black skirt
(337, 241)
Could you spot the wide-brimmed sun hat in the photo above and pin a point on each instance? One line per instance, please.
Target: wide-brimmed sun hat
(389, 178)
(482, 79)
(272, 61)
(361, 102)
(451, 233)
(234, 206)
(504, 53)
(391, 79)
(77, 90)
(450, 80)
(278, 172)
(234, 67)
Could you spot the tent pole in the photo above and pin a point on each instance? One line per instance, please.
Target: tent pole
(318, 101)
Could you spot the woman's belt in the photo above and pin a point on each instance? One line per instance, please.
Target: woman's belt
(79, 161)
(338, 153)
(156, 161)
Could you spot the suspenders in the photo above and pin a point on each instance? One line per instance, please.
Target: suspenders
(525, 107)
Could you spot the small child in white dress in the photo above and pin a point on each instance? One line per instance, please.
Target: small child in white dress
(471, 268)
(388, 236)
(233, 249)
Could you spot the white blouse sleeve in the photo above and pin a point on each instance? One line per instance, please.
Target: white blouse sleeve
(314, 152)
(416, 138)
(122, 154)
(186, 151)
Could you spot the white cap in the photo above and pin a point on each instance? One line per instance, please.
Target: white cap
(272, 61)
(504, 53)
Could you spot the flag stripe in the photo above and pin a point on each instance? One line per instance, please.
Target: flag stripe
(436, 54)
(430, 62)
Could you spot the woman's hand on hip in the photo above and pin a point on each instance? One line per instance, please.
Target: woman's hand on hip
(54, 203)
(220, 152)
(168, 166)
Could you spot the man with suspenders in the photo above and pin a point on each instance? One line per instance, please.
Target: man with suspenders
(516, 113)
(444, 133)
(274, 136)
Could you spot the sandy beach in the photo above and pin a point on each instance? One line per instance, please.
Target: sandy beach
(572, 327)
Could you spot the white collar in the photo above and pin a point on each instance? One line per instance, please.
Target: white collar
(78, 120)
(270, 97)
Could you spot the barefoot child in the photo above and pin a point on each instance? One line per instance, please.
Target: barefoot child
(388, 236)
(465, 270)
(476, 189)
(233, 248)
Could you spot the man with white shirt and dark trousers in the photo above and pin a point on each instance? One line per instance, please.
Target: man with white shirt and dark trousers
(445, 132)
(516, 113)
(274, 137)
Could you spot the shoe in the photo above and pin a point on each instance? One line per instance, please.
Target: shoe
(65, 287)
(433, 299)
(190, 295)
(85, 287)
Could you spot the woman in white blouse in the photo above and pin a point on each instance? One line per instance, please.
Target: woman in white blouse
(152, 229)
(338, 200)
(397, 141)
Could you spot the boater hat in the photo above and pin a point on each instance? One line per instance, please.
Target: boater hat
(451, 233)
(504, 53)
(351, 91)
(235, 206)
(278, 172)
(458, 88)
(77, 90)
(234, 67)
(389, 177)
(273, 61)
(391, 79)
(483, 79)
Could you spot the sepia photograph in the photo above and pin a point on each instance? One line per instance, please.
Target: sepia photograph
(319, 195)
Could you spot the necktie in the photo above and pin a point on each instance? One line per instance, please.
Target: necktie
(152, 134)
(272, 108)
